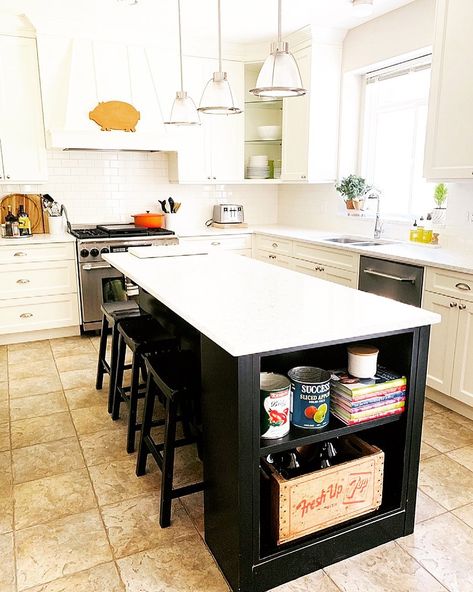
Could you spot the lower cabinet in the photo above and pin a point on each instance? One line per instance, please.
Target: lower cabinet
(240, 243)
(275, 259)
(327, 272)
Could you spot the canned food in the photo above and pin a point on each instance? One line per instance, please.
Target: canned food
(275, 390)
(310, 397)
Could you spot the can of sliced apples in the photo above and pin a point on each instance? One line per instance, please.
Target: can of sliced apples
(275, 390)
(310, 397)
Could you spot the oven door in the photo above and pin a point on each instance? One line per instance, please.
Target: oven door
(100, 282)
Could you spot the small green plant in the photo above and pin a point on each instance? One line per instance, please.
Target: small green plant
(440, 194)
(353, 188)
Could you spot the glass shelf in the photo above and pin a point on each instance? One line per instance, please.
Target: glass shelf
(263, 141)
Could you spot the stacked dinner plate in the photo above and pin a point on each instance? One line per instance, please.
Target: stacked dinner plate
(258, 167)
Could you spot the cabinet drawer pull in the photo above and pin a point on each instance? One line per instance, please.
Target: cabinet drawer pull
(215, 243)
(275, 245)
(26, 315)
(22, 281)
(272, 256)
(453, 304)
(20, 254)
(462, 286)
(8, 176)
(462, 307)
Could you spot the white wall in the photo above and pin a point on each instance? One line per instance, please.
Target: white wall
(100, 187)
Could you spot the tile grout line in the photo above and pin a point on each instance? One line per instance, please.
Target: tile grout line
(331, 579)
(419, 563)
(15, 571)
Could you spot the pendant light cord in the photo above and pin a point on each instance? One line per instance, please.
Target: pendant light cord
(180, 43)
(279, 20)
(219, 38)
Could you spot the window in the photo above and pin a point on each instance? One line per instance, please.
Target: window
(395, 120)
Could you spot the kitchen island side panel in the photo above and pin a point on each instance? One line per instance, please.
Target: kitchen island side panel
(228, 384)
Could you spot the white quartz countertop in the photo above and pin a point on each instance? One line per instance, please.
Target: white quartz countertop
(247, 306)
(38, 239)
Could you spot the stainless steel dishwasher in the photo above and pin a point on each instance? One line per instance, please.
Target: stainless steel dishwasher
(399, 281)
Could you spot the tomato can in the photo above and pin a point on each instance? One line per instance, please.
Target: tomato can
(275, 391)
(310, 397)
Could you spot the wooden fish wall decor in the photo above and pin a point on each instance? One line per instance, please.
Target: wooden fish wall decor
(115, 115)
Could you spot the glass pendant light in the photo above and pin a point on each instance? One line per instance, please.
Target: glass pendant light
(217, 98)
(279, 76)
(184, 111)
(363, 7)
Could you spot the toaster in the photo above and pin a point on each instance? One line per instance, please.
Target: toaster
(228, 214)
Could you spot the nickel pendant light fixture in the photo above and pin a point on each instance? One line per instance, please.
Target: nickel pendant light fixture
(183, 111)
(279, 76)
(217, 98)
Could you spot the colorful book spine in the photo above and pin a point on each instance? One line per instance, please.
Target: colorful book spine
(362, 420)
(357, 409)
(381, 396)
(371, 389)
(352, 414)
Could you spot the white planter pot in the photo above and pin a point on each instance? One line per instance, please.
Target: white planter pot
(439, 216)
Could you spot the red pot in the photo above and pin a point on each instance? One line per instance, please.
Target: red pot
(149, 220)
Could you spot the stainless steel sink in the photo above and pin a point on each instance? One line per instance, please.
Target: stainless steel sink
(345, 240)
(373, 243)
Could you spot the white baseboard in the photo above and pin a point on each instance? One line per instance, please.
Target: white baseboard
(449, 402)
(28, 336)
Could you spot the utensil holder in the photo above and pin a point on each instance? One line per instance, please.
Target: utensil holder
(56, 225)
(173, 222)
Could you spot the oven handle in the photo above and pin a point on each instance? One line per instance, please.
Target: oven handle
(396, 278)
(90, 267)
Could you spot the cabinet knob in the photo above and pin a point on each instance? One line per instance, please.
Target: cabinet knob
(20, 254)
(463, 286)
(272, 256)
(22, 281)
(215, 243)
(8, 176)
(208, 178)
(214, 178)
(462, 307)
(26, 315)
(453, 304)
(275, 245)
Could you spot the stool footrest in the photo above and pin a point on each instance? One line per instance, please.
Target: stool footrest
(187, 489)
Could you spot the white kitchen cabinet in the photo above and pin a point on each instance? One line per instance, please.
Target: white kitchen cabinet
(462, 384)
(22, 143)
(449, 148)
(275, 259)
(226, 243)
(326, 272)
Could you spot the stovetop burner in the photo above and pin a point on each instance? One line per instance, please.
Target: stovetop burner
(118, 230)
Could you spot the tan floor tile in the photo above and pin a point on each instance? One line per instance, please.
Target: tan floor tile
(37, 406)
(7, 572)
(439, 478)
(77, 378)
(23, 357)
(42, 367)
(3, 371)
(194, 505)
(465, 513)
(382, 566)
(59, 548)
(445, 435)
(427, 451)
(444, 546)
(426, 507)
(117, 481)
(314, 582)
(3, 390)
(36, 430)
(46, 460)
(4, 411)
(103, 578)
(4, 437)
(71, 346)
(29, 346)
(52, 497)
(6, 510)
(431, 407)
(461, 419)
(154, 570)
(78, 362)
(35, 385)
(5, 470)
(464, 456)
(92, 419)
(104, 446)
(133, 525)
(78, 398)
(95, 341)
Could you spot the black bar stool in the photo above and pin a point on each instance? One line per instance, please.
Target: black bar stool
(142, 335)
(174, 378)
(112, 314)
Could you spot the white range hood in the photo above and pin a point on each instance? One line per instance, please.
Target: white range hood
(77, 74)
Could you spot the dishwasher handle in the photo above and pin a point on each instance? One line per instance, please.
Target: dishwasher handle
(396, 278)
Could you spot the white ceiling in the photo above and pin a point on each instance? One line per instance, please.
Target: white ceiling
(243, 20)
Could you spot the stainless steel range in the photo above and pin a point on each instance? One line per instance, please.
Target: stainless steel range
(99, 281)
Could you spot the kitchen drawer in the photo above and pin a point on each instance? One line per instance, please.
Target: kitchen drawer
(275, 245)
(243, 252)
(449, 283)
(21, 280)
(39, 252)
(327, 256)
(326, 272)
(224, 242)
(274, 259)
(33, 314)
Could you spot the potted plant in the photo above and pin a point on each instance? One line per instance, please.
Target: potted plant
(353, 190)
(440, 197)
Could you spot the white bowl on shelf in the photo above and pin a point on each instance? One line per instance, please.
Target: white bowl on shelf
(269, 132)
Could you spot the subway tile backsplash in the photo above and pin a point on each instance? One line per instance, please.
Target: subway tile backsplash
(109, 186)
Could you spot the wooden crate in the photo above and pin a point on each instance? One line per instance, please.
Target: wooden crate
(317, 500)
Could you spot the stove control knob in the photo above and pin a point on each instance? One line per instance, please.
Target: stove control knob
(94, 252)
(105, 250)
(84, 253)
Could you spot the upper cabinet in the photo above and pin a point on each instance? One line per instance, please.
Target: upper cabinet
(449, 146)
(22, 144)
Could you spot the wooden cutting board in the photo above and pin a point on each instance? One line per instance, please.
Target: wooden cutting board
(33, 207)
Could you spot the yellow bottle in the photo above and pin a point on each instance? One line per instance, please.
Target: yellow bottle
(427, 234)
(414, 232)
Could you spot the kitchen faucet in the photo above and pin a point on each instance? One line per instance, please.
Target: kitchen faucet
(378, 225)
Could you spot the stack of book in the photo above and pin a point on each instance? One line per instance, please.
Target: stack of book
(356, 400)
